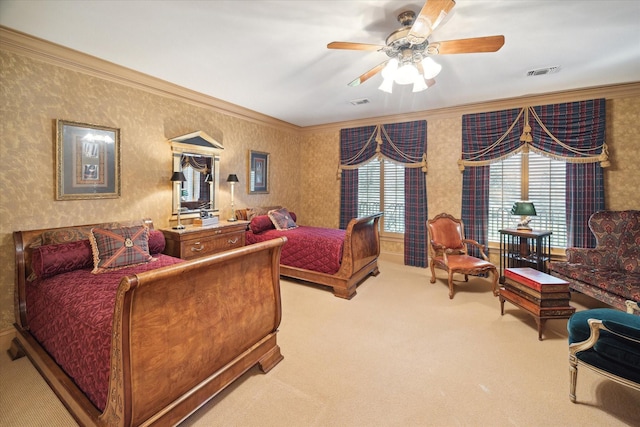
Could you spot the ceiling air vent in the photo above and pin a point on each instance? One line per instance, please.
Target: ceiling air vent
(543, 71)
(361, 101)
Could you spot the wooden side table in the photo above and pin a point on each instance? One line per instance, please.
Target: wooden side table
(541, 295)
(194, 242)
(522, 248)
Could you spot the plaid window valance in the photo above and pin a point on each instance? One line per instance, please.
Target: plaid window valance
(400, 143)
(573, 132)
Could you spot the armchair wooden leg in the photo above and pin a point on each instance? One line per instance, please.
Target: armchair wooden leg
(433, 272)
(494, 273)
(450, 284)
(573, 373)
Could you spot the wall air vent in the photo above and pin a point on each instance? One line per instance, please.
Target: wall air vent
(543, 71)
(360, 101)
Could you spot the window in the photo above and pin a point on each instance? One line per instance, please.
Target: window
(381, 188)
(529, 176)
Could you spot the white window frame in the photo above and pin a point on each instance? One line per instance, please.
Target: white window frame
(382, 194)
(548, 198)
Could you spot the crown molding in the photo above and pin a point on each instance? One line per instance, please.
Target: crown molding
(623, 90)
(43, 50)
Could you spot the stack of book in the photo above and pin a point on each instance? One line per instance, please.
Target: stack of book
(537, 292)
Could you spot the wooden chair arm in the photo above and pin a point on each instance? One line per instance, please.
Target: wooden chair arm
(479, 246)
(632, 306)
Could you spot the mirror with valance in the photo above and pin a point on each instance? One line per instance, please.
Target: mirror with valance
(197, 156)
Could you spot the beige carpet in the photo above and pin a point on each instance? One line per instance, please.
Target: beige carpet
(399, 354)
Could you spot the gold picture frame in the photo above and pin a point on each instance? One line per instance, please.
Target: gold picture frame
(258, 172)
(87, 161)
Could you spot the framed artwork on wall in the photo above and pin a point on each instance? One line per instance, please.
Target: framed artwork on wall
(258, 172)
(87, 161)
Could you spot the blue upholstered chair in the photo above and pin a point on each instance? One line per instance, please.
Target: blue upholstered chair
(608, 342)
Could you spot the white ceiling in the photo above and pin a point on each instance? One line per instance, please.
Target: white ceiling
(271, 56)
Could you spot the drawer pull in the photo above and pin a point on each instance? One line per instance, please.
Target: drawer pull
(232, 241)
(218, 231)
(194, 249)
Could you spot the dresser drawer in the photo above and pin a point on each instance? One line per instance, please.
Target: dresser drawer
(203, 246)
(194, 242)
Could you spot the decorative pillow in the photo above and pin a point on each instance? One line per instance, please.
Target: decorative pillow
(49, 260)
(282, 219)
(156, 242)
(261, 223)
(119, 247)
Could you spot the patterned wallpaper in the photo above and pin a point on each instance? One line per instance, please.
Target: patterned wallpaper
(34, 94)
(622, 178)
(303, 165)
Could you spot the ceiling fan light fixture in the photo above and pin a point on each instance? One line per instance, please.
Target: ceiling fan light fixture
(430, 68)
(387, 85)
(406, 74)
(419, 84)
(389, 71)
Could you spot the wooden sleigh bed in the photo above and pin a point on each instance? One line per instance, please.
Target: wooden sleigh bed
(179, 334)
(355, 258)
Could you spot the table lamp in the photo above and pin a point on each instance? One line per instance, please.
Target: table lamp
(232, 179)
(525, 209)
(178, 178)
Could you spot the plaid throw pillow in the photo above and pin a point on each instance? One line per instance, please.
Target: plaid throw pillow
(119, 247)
(282, 219)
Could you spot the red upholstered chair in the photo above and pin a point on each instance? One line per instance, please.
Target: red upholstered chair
(448, 251)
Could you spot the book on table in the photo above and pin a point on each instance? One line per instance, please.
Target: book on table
(546, 299)
(556, 294)
(537, 280)
(544, 312)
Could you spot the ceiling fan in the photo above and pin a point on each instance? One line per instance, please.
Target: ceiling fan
(410, 51)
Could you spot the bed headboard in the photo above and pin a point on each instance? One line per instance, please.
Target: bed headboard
(26, 241)
(246, 213)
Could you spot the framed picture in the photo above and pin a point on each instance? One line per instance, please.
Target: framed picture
(258, 172)
(87, 161)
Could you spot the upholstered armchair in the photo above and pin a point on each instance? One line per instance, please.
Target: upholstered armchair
(606, 341)
(448, 251)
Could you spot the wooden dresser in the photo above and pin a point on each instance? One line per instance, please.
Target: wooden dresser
(193, 242)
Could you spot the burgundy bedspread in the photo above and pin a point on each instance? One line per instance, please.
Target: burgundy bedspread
(71, 315)
(310, 248)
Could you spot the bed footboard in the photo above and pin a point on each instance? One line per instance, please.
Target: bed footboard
(181, 334)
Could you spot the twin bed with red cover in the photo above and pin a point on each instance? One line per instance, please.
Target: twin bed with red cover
(146, 343)
(331, 257)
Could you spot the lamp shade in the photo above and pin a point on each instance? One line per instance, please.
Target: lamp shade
(233, 178)
(178, 177)
(523, 208)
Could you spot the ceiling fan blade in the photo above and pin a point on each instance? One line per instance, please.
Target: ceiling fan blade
(366, 76)
(354, 46)
(432, 13)
(473, 45)
(430, 82)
